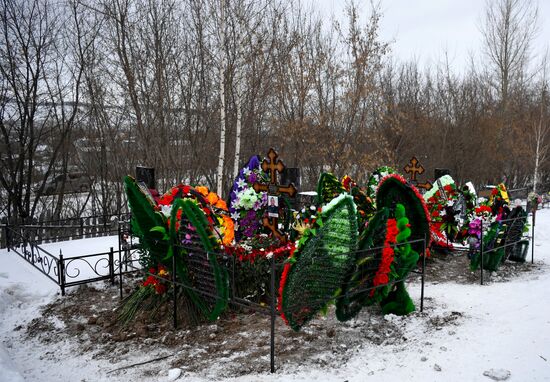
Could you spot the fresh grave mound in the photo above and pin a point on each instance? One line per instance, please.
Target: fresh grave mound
(314, 273)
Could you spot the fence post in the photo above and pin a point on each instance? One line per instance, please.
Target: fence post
(32, 254)
(423, 275)
(533, 238)
(174, 292)
(61, 267)
(120, 271)
(7, 231)
(81, 228)
(112, 265)
(481, 251)
(273, 316)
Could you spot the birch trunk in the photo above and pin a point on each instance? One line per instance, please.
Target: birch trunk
(537, 158)
(221, 158)
(237, 133)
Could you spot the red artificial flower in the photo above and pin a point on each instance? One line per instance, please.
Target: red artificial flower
(381, 277)
(282, 284)
(151, 280)
(160, 288)
(494, 192)
(346, 182)
(481, 209)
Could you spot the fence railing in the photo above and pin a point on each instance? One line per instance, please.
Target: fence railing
(68, 271)
(269, 304)
(47, 231)
(509, 239)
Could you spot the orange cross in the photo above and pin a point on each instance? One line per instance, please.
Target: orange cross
(413, 169)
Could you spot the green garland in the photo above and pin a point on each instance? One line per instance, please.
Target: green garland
(491, 260)
(375, 178)
(395, 189)
(198, 220)
(352, 298)
(514, 232)
(144, 219)
(398, 301)
(314, 274)
(328, 187)
(393, 298)
(365, 206)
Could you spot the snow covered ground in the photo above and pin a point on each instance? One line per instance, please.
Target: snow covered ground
(501, 330)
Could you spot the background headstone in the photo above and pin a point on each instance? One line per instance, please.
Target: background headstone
(146, 175)
(439, 172)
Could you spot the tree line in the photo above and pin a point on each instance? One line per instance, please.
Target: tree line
(193, 88)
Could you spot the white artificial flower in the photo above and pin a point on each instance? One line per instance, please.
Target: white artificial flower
(246, 171)
(241, 183)
(165, 210)
(235, 216)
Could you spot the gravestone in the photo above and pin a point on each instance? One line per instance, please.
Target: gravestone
(439, 172)
(146, 175)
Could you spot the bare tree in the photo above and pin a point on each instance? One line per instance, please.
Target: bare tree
(40, 98)
(508, 30)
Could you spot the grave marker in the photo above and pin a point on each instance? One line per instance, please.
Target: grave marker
(273, 165)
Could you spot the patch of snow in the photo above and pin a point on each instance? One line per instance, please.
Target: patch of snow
(173, 374)
(8, 371)
(497, 374)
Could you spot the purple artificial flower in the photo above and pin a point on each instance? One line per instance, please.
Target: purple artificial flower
(474, 228)
(187, 239)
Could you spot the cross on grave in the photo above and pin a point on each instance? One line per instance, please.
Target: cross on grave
(274, 166)
(413, 169)
(427, 186)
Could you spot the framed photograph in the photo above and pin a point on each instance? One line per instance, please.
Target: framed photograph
(272, 206)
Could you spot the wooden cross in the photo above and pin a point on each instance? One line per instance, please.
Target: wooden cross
(273, 166)
(413, 169)
(427, 186)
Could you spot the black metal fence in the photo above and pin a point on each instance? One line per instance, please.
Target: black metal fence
(67, 271)
(267, 303)
(49, 231)
(510, 240)
(115, 263)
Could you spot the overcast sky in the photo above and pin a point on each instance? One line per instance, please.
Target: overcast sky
(425, 29)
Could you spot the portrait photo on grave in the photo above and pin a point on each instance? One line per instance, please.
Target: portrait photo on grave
(272, 206)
